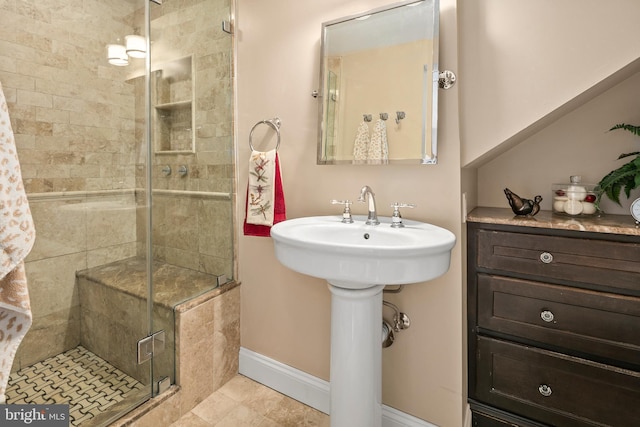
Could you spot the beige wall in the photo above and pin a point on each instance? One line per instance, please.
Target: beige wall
(539, 90)
(285, 315)
(523, 63)
(576, 144)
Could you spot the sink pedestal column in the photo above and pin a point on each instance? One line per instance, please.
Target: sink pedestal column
(356, 356)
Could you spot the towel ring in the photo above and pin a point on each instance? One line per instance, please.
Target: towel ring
(274, 123)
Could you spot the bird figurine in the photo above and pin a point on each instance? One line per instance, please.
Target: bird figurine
(522, 206)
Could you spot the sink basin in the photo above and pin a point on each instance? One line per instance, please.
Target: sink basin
(358, 256)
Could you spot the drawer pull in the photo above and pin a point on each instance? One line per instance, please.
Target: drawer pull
(546, 257)
(547, 316)
(545, 390)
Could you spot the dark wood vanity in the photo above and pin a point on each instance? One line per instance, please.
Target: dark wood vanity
(553, 320)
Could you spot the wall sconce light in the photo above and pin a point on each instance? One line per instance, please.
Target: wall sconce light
(117, 55)
(136, 46)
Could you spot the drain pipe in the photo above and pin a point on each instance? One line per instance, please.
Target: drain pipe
(387, 334)
(400, 321)
(397, 290)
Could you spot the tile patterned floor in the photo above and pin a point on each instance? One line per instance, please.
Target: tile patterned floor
(242, 402)
(78, 377)
(92, 386)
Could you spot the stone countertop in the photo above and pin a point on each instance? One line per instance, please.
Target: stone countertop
(613, 224)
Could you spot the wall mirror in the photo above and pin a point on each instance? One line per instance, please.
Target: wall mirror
(378, 93)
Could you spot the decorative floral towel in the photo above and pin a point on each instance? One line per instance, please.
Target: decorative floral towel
(17, 235)
(361, 144)
(265, 195)
(378, 147)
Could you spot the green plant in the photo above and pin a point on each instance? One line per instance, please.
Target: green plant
(626, 177)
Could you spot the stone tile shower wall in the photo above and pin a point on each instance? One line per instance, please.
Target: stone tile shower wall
(192, 213)
(79, 126)
(73, 119)
(74, 232)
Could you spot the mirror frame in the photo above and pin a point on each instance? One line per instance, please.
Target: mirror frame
(429, 134)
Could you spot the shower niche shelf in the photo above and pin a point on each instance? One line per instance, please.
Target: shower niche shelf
(172, 98)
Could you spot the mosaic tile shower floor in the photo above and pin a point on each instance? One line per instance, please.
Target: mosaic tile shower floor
(88, 383)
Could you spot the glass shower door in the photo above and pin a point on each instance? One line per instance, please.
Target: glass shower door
(78, 113)
(192, 162)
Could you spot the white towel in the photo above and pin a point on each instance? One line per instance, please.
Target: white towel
(378, 147)
(17, 235)
(361, 144)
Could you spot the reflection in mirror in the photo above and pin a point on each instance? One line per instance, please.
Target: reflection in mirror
(379, 80)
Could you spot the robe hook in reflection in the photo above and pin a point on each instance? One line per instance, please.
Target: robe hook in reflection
(274, 123)
(384, 116)
(367, 117)
(399, 116)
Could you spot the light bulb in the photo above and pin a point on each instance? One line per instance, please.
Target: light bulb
(117, 55)
(136, 46)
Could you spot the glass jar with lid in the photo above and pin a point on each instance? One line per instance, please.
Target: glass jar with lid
(574, 198)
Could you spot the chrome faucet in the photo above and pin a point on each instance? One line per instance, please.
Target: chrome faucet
(372, 218)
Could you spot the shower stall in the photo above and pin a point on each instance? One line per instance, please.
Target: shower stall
(122, 112)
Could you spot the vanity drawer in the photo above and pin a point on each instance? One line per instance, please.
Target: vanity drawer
(553, 388)
(590, 322)
(604, 263)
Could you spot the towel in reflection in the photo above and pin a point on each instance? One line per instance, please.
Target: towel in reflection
(378, 147)
(361, 144)
(17, 235)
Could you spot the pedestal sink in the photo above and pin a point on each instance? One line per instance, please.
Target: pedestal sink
(358, 260)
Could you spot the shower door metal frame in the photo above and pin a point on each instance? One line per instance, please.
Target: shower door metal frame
(154, 343)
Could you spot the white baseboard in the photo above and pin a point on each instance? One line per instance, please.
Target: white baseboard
(305, 388)
(310, 390)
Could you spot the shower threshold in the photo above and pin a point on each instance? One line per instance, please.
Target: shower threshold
(95, 391)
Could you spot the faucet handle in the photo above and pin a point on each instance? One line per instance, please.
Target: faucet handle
(396, 218)
(346, 214)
